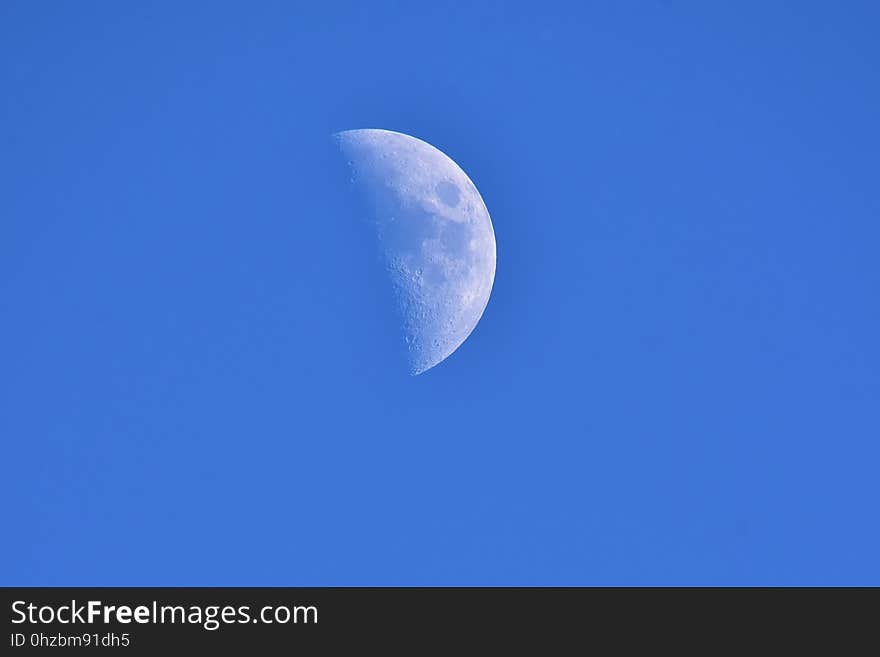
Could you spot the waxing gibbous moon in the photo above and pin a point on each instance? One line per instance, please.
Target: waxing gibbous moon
(435, 234)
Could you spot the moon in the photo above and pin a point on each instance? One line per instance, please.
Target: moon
(435, 234)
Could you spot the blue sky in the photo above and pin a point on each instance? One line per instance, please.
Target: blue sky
(677, 377)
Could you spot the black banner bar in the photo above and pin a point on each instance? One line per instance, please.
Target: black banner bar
(148, 620)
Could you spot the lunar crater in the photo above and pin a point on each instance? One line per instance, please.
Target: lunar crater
(448, 193)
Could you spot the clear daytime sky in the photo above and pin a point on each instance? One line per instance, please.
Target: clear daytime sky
(676, 379)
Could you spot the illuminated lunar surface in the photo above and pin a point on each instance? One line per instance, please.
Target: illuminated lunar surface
(435, 234)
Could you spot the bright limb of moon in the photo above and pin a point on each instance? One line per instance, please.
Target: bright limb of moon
(436, 237)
